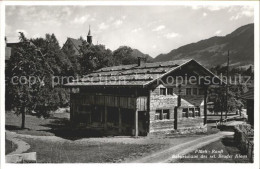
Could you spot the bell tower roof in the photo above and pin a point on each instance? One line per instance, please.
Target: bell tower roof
(89, 37)
(89, 31)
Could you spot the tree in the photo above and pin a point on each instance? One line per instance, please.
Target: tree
(94, 57)
(24, 64)
(219, 99)
(56, 60)
(234, 102)
(123, 55)
(249, 72)
(235, 89)
(39, 59)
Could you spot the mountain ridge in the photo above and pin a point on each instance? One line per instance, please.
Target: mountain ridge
(213, 51)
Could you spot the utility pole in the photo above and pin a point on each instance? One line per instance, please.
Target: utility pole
(221, 107)
(227, 84)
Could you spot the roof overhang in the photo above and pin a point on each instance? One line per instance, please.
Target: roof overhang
(220, 82)
(148, 83)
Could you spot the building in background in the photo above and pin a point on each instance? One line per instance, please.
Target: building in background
(77, 43)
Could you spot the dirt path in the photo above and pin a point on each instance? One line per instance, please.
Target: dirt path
(181, 149)
(47, 138)
(21, 145)
(117, 139)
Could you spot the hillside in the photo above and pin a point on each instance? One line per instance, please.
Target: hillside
(213, 51)
(125, 55)
(136, 53)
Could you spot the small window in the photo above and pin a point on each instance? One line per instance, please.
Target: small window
(197, 112)
(169, 91)
(185, 112)
(195, 91)
(158, 114)
(201, 92)
(191, 112)
(162, 91)
(162, 114)
(166, 114)
(188, 91)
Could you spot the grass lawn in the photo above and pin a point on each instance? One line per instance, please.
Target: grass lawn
(9, 146)
(225, 147)
(71, 152)
(68, 150)
(34, 125)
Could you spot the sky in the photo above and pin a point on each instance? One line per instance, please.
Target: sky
(151, 29)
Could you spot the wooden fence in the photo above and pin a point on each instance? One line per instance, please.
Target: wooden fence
(244, 137)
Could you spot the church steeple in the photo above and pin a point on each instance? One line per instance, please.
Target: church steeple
(89, 37)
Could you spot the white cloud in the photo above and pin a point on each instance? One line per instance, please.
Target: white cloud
(67, 10)
(195, 7)
(161, 27)
(81, 20)
(92, 19)
(216, 8)
(248, 11)
(209, 7)
(218, 32)
(136, 30)
(205, 14)
(245, 11)
(103, 26)
(110, 19)
(172, 35)
(242, 14)
(154, 46)
(153, 23)
(235, 17)
(118, 22)
(52, 22)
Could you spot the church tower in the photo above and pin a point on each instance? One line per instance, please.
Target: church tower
(89, 37)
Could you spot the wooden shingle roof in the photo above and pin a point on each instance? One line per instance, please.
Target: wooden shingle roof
(130, 75)
(127, 75)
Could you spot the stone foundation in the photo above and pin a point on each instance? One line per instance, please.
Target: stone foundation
(188, 130)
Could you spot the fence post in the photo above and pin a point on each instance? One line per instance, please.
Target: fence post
(252, 150)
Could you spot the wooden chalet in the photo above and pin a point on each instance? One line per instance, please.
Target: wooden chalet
(142, 98)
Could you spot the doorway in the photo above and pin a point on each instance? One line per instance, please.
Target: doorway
(143, 123)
